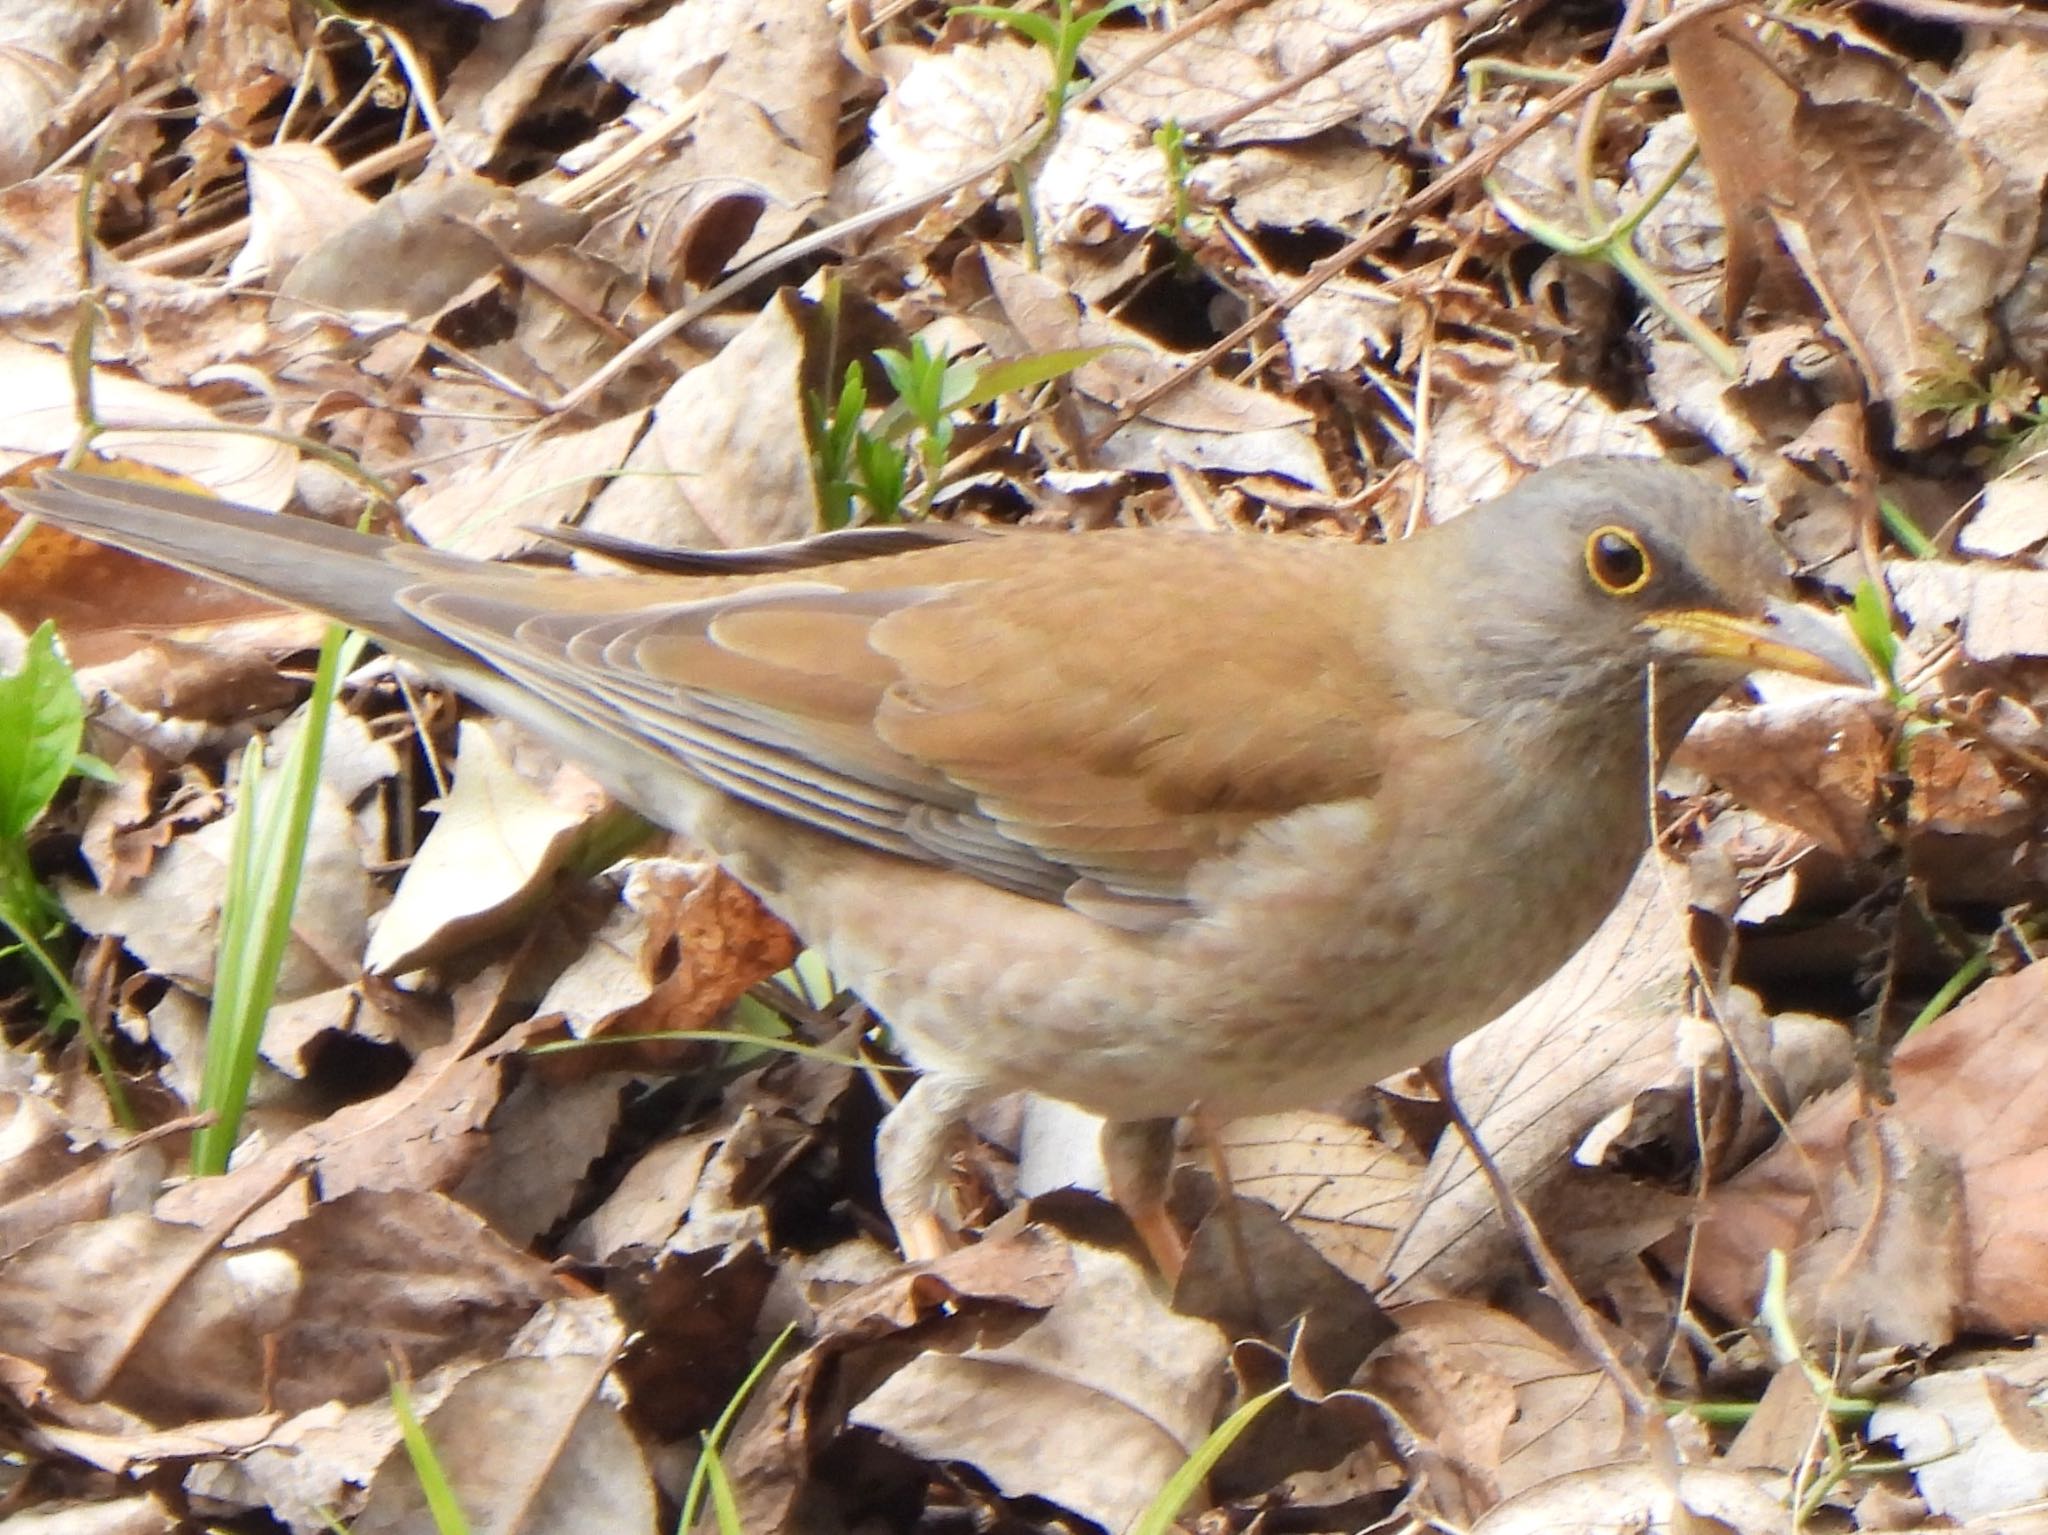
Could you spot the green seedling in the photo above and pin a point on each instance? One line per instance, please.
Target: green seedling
(1871, 622)
(266, 858)
(1181, 226)
(835, 428)
(1060, 35)
(42, 730)
(863, 467)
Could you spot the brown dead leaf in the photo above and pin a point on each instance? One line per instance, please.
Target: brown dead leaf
(1958, 790)
(1535, 1081)
(1975, 1437)
(2001, 613)
(47, 1184)
(527, 1444)
(492, 855)
(1636, 1496)
(1905, 229)
(1782, 1432)
(415, 252)
(297, 197)
(168, 918)
(1968, 1092)
(1741, 109)
(1815, 763)
(1886, 1263)
(1338, 1184)
(723, 463)
(684, 944)
(1092, 1405)
(1501, 1403)
(493, 506)
(36, 403)
(1501, 416)
(1210, 423)
(1382, 93)
(990, 1289)
(175, 1328)
(423, 1135)
(945, 113)
(2013, 517)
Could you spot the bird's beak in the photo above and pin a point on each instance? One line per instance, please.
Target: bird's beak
(1791, 637)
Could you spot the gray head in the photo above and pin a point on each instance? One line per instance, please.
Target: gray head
(1586, 575)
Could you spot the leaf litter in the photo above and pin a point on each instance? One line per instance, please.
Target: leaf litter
(474, 278)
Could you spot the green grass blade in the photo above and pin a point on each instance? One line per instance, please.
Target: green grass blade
(442, 1505)
(1187, 1481)
(265, 864)
(709, 1476)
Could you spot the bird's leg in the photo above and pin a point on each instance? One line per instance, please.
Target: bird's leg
(912, 1151)
(1138, 1154)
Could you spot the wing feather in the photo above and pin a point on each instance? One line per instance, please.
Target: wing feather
(885, 706)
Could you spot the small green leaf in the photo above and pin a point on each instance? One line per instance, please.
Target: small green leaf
(1042, 30)
(1902, 527)
(1871, 623)
(1082, 26)
(86, 765)
(881, 471)
(1001, 378)
(42, 720)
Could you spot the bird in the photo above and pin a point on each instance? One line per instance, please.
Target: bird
(1143, 819)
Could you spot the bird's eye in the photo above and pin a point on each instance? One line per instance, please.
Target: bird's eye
(1617, 561)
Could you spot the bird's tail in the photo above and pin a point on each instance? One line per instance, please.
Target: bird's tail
(346, 575)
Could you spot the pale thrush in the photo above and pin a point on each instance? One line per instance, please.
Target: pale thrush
(1138, 819)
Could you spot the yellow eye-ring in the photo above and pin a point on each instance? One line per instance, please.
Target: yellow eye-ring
(1617, 561)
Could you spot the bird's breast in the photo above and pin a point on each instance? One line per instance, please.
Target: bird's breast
(1333, 945)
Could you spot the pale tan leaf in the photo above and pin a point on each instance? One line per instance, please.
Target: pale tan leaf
(496, 844)
(1092, 1407)
(1385, 92)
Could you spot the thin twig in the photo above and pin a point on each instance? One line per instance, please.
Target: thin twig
(1468, 171)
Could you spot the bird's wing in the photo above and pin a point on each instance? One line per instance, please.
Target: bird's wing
(1067, 719)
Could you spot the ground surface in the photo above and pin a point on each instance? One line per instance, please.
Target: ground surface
(1311, 268)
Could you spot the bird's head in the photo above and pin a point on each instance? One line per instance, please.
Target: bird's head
(1593, 572)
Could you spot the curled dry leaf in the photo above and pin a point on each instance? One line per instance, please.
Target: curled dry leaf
(988, 1290)
(1092, 1405)
(758, 80)
(1969, 1186)
(492, 854)
(1975, 1437)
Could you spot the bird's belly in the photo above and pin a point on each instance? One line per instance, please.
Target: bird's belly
(1316, 969)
